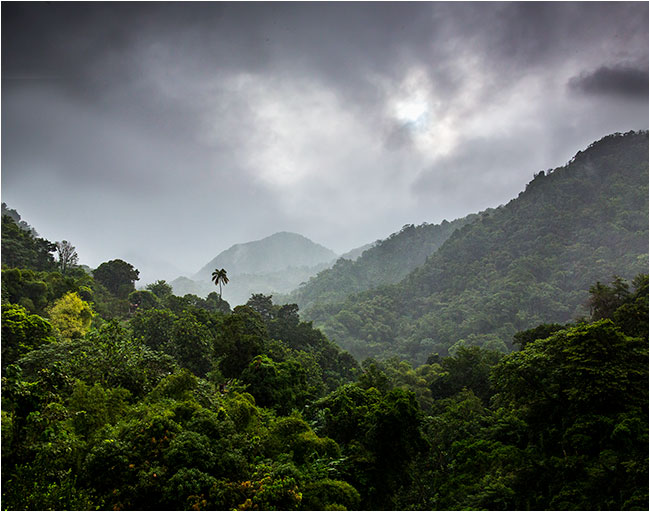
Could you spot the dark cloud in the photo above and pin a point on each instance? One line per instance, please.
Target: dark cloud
(621, 81)
(341, 120)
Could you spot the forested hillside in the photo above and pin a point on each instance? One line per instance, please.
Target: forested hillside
(117, 398)
(528, 262)
(179, 403)
(387, 262)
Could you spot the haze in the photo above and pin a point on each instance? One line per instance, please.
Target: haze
(165, 133)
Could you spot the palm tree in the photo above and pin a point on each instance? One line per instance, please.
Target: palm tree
(219, 276)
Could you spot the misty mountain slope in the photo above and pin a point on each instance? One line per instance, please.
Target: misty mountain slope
(241, 286)
(354, 254)
(275, 264)
(529, 262)
(386, 262)
(271, 254)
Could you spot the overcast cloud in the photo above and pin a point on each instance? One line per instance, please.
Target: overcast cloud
(165, 133)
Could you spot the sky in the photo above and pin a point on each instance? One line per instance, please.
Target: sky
(164, 133)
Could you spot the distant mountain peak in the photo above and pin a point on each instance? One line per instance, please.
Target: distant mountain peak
(273, 253)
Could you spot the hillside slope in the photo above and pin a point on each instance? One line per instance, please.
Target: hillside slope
(386, 262)
(525, 263)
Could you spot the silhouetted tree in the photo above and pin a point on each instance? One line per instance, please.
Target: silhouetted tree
(67, 255)
(219, 277)
(117, 276)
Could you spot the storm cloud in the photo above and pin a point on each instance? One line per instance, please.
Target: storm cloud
(621, 81)
(166, 132)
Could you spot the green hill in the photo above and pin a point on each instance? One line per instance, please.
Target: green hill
(115, 398)
(522, 264)
(386, 262)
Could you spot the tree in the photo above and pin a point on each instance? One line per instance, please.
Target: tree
(108, 355)
(141, 300)
(67, 255)
(23, 249)
(523, 338)
(240, 339)
(22, 333)
(583, 394)
(214, 302)
(15, 216)
(24, 287)
(263, 304)
(160, 289)
(278, 385)
(219, 276)
(604, 300)
(191, 344)
(469, 368)
(153, 328)
(71, 316)
(117, 276)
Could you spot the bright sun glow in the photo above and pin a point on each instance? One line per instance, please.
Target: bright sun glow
(411, 110)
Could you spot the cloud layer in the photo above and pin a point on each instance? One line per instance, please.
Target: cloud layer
(170, 131)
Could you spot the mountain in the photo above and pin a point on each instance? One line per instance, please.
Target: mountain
(531, 261)
(355, 253)
(384, 262)
(275, 264)
(271, 254)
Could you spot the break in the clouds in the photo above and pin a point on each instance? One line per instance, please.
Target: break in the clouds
(166, 132)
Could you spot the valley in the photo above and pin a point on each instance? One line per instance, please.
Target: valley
(497, 361)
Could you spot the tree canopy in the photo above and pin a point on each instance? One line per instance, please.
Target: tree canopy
(117, 276)
(117, 398)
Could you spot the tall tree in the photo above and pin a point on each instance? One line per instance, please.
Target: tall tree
(219, 277)
(67, 255)
(71, 316)
(117, 276)
(160, 289)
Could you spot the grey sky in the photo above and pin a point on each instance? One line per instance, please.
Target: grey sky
(165, 133)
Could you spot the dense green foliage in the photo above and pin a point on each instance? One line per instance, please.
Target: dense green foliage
(22, 333)
(120, 418)
(117, 276)
(115, 398)
(21, 247)
(529, 262)
(122, 398)
(387, 262)
(111, 421)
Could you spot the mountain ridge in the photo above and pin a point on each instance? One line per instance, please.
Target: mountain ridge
(385, 262)
(273, 253)
(519, 265)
